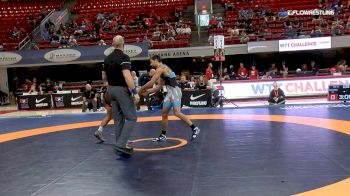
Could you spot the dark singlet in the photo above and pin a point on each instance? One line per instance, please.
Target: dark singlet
(171, 79)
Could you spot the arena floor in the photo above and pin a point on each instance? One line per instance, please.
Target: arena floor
(276, 150)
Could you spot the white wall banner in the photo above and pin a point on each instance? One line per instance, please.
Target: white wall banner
(62, 55)
(130, 50)
(77, 55)
(9, 58)
(291, 87)
(262, 46)
(304, 44)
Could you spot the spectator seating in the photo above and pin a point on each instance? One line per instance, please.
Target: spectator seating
(276, 29)
(127, 10)
(16, 13)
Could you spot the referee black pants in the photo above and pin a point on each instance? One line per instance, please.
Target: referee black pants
(124, 113)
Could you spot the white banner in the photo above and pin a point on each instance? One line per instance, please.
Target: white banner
(219, 42)
(263, 46)
(291, 87)
(130, 50)
(62, 55)
(304, 44)
(196, 51)
(9, 58)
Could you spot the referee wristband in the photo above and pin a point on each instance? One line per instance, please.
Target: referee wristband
(133, 91)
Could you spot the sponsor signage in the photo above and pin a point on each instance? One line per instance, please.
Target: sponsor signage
(42, 102)
(9, 58)
(304, 44)
(62, 55)
(173, 54)
(130, 50)
(196, 98)
(70, 100)
(52, 56)
(262, 46)
(291, 87)
(34, 102)
(196, 51)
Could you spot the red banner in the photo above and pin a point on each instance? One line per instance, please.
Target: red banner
(219, 54)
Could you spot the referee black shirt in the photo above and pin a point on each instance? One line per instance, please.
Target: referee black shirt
(114, 64)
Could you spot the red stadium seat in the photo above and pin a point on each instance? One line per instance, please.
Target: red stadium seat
(16, 13)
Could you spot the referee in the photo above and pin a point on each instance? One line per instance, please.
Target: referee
(123, 93)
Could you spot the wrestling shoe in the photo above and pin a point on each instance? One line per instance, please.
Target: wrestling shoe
(124, 151)
(195, 133)
(129, 143)
(161, 138)
(98, 134)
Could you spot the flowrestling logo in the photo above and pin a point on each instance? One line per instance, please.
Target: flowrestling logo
(62, 55)
(9, 58)
(314, 12)
(130, 50)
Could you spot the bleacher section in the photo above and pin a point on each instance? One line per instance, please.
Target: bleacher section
(16, 14)
(126, 11)
(276, 29)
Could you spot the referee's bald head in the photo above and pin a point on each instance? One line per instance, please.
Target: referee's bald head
(118, 42)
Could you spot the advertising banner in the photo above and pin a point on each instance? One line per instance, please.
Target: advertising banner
(304, 44)
(34, 102)
(71, 100)
(66, 55)
(292, 88)
(196, 98)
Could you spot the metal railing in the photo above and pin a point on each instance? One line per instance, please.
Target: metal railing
(24, 42)
(35, 33)
(42, 23)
